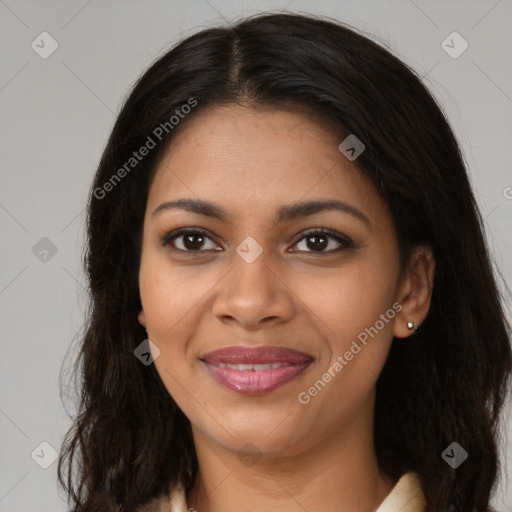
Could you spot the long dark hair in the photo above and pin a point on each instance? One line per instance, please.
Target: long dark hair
(447, 383)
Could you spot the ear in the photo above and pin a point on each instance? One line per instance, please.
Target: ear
(415, 291)
(141, 317)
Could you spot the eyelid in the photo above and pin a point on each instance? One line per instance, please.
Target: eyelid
(168, 237)
(344, 241)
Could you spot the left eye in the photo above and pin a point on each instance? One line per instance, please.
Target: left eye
(320, 240)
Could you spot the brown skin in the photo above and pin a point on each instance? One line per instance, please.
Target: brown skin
(320, 455)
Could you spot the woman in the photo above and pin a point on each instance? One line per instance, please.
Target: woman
(292, 301)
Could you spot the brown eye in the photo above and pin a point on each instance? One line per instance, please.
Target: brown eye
(320, 240)
(188, 240)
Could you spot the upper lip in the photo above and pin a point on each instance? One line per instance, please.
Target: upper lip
(256, 355)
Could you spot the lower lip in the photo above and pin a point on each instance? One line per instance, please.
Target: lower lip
(251, 382)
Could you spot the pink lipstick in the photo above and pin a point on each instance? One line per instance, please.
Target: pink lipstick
(255, 370)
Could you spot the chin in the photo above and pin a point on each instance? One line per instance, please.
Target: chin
(262, 438)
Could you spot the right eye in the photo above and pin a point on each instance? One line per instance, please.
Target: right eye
(187, 240)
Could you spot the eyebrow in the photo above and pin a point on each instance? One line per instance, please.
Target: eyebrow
(285, 213)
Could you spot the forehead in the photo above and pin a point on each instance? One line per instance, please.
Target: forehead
(257, 159)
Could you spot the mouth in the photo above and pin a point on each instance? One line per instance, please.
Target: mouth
(255, 370)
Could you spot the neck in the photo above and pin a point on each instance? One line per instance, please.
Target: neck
(340, 473)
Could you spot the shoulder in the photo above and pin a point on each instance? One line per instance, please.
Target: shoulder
(173, 501)
(406, 496)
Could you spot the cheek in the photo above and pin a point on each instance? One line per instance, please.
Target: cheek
(174, 299)
(167, 305)
(171, 293)
(354, 312)
(347, 302)
(170, 309)
(347, 311)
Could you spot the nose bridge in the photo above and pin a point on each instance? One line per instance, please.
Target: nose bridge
(251, 267)
(252, 291)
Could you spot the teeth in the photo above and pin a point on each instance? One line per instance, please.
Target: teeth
(253, 367)
(259, 367)
(240, 366)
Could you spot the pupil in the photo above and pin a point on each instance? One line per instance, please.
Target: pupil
(318, 246)
(189, 244)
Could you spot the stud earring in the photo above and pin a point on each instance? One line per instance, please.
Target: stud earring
(411, 326)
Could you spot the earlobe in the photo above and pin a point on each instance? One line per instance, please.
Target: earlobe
(415, 292)
(141, 317)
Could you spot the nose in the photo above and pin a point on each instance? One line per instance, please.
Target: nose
(253, 295)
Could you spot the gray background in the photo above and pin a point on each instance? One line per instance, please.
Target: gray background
(56, 114)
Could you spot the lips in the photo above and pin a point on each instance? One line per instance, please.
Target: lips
(255, 370)
(256, 355)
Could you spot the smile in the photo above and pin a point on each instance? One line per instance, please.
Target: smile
(257, 370)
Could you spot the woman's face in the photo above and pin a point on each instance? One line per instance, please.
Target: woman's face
(259, 275)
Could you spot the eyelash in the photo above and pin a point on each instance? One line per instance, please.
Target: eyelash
(345, 242)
